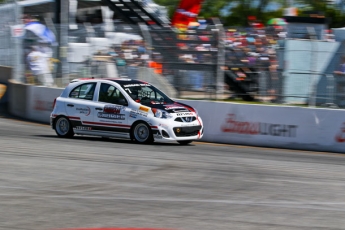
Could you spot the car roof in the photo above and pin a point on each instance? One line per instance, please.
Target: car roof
(120, 81)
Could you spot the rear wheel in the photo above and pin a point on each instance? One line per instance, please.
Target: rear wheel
(184, 142)
(142, 133)
(63, 127)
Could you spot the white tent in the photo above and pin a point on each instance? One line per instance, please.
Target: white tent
(118, 38)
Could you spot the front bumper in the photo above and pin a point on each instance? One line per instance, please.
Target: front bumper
(177, 131)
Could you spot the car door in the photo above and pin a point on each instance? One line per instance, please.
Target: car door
(113, 112)
(80, 105)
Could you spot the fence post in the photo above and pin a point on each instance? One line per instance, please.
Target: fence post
(314, 74)
(64, 41)
(330, 88)
(221, 60)
(18, 67)
(147, 37)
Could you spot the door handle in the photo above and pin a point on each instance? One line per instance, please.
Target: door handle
(70, 105)
(99, 109)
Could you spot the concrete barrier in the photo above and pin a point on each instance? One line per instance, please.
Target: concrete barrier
(272, 126)
(32, 102)
(18, 98)
(232, 123)
(5, 76)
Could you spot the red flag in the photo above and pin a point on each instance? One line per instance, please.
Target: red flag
(187, 12)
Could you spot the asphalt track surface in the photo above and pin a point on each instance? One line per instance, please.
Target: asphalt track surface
(51, 183)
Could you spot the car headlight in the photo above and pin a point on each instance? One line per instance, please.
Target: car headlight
(161, 114)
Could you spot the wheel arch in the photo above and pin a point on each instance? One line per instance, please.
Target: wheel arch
(56, 118)
(133, 126)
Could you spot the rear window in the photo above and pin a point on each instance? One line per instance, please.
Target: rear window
(84, 91)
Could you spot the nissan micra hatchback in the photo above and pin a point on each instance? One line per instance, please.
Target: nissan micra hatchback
(123, 108)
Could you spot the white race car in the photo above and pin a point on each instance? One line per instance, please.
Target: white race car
(123, 108)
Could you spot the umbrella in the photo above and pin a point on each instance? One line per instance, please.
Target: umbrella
(277, 22)
(193, 24)
(250, 39)
(258, 25)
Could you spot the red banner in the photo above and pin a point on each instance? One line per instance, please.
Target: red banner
(187, 12)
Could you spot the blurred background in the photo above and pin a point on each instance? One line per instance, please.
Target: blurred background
(267, 51)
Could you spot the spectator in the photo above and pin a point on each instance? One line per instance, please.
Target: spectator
(38, 64)
(341, 70)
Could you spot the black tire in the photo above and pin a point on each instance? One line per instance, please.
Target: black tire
(63, 127)
(141, 133)
(184, 142)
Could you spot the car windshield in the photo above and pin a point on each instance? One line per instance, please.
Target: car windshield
(146, 94)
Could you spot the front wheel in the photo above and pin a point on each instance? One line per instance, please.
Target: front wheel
(63, 127)
(184, 142)
(142, 133)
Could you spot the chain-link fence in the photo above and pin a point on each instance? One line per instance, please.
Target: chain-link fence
(8, 19)
(198, 63)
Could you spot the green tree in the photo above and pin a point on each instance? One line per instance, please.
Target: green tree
(171, 5)
(236, 12)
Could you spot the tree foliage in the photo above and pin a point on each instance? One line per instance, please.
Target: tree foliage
(236, 12)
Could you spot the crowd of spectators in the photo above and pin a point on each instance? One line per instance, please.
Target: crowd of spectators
(243, 47)
(253, 48)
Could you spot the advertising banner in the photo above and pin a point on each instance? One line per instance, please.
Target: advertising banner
(186, 12)
(40, 102)
(17, 31)
(272, 126)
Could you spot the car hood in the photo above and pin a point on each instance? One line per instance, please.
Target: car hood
(175, 107)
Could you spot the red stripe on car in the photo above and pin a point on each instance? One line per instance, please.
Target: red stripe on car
(105, 124)
(74, 118)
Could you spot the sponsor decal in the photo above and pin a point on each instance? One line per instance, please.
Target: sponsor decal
(137, 112)
(133, 114)
(187, 124)
(340, 136)
(133, 85)
(185, 114)
(144, 108)
(41, 105)
(112, 109)
(86, 111)
(169, 107)
(112, 112)
(83, 128)
(111, 116)
(112, 121)
(257, 128)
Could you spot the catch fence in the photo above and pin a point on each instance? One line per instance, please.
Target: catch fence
(197, 63)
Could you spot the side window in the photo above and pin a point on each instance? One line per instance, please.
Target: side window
(111, 94)
(84, 91)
